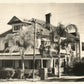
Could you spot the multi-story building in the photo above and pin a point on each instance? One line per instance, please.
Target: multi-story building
(48, 58)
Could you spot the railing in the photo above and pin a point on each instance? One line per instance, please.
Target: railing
(16, 54)
(9, 54)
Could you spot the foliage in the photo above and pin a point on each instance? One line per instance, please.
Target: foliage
(70, 27)
(6, 73)
(17, 74)
(60, 29)
(77, 68)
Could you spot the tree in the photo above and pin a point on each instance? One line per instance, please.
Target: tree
(71, 27)
(23, 39)
(60, 32)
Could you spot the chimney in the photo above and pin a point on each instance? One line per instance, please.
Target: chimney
(48, 20)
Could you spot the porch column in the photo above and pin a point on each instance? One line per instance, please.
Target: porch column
(23, 68)
(59, 67)
(54, 70)
(51, 63)
(76, 48)
(41, 63)
(54, 62)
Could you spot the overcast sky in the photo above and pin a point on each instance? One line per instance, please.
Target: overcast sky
(64, 13)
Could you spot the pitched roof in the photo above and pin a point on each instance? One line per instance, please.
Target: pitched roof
(18, 20)
(42, 24)
(5, 33)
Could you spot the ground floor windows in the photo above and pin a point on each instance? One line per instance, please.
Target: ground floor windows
(8, 63)
(28, 64)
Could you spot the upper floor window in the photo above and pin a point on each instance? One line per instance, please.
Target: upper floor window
(17, 27)
(6, 45)
(82, 46)
(73, 47)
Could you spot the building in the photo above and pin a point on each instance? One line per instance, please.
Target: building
(10, 56)
(81, 45)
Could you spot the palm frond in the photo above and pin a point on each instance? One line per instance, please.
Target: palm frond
(71, 26)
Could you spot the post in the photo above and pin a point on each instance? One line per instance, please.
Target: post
(34, 48)
(76, 49)
(41, 63)
(23, 67)
(54, 62)
(79, 48)
(59, 66)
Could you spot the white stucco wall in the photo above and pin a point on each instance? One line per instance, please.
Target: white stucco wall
(81, 40)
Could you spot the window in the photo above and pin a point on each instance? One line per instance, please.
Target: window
(83, 46)
(6, 45)
(8, 63)
(73, 47)
(17, 27)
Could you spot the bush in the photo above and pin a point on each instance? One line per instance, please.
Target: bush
(17, 74)
(6, 73)
(78, 69)
(68, 70)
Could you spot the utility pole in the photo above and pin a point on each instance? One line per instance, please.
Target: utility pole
(34, 48)
(59, 65)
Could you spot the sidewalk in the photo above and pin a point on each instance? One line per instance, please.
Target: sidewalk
(49, 79)
(66, 78)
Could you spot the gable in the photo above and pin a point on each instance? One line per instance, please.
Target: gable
(14, 20)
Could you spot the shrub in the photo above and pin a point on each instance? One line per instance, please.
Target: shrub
(17, 74)
(68, 70)
(78, 68)
(6, 73)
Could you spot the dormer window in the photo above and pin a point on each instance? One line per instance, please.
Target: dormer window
(17, 27)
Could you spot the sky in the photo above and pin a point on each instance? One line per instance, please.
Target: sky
(66, 13)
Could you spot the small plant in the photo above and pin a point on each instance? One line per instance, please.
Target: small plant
(17, 74)
(6, 73)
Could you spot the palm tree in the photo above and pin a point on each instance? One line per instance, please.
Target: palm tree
(60, 32)
(71, 27)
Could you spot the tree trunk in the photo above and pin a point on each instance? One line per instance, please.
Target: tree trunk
(23, 67)
(34, 49)
(59, 65)
(23, 63)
